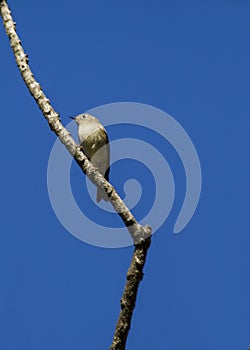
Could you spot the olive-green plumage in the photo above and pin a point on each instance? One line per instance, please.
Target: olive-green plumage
(95, 144)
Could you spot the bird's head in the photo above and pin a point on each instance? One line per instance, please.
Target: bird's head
(82, 118)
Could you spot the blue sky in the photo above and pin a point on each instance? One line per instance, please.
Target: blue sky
(190, 59)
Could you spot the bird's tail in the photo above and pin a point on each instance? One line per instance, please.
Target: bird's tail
(101, 194)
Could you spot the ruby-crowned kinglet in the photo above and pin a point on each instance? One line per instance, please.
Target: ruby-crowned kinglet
(95, 144)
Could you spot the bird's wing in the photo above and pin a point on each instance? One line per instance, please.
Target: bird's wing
(96, 147)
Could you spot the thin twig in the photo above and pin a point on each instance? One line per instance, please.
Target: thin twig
(141, 235)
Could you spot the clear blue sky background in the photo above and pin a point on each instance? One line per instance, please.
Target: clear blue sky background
(192, 60)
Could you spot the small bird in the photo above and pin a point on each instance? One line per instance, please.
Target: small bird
(94, 141)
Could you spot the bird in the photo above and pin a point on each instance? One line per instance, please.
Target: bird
(94, 143)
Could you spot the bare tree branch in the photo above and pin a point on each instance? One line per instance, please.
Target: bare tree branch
(141, 235)
(134, 277)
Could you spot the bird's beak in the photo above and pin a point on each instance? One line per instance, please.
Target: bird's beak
(72, 118)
